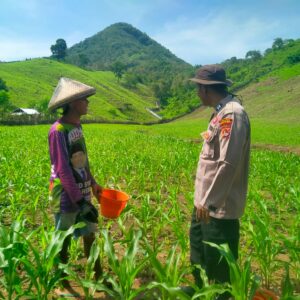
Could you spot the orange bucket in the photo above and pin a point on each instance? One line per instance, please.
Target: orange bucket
(112, 203)
(264, 294)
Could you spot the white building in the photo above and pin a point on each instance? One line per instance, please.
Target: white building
(25, 111)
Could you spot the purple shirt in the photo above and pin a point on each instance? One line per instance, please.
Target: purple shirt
(68, 156)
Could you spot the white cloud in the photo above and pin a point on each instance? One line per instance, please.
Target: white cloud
(213, 39)
(12, 49)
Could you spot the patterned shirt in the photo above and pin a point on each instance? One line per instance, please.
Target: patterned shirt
(68, 155)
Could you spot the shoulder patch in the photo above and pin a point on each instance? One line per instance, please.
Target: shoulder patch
(225, 127)
(205, 135)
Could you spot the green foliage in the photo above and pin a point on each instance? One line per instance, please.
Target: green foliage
(156, 166)
(12, 249)
(284, 53)
(3, 85)
(5, 104)
(118, 69)
(59, 49)
(34, 81)
(131, 80)
(153, 64)
(155, 78)
(126, 268)
(253, 54)
(277, 44)
(242, 282)
(162, 92)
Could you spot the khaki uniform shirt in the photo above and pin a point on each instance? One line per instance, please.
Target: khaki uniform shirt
(222, 173)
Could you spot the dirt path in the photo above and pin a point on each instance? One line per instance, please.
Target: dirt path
(276, 148)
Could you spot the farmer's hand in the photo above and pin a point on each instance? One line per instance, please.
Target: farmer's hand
(202, 214)
(97, 190)
(88, 211)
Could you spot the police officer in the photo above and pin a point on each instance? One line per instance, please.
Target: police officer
(221, 178)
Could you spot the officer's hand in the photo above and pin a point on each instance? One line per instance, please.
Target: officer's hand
(202, 214)
(88, 211)
(97, 190)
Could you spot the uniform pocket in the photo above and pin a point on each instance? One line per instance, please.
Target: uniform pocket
(208, 149)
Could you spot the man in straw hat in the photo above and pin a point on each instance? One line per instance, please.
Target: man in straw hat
(221, 178)
(70, 194)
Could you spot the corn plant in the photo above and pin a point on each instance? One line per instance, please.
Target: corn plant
(88, 283)
(169, 275)
(266, 248)
(125, 269)
(287, 286)
(12, 250)
(243, 284)
(40, 269)
(209, 290)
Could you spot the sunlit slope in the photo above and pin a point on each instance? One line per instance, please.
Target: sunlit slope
(32, 81)
(275, 99)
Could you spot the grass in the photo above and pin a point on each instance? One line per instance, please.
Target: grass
(156, 166)
(34, 80)
(272, 99)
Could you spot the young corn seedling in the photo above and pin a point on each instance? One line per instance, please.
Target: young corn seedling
(40, 268)
(12, 249)
(266, 248)
(125, 269)
(88, 283)
(242, 283)
(208, 291)
(287, 286)
(169, 275)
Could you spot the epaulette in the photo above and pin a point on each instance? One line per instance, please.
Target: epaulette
(218, 107)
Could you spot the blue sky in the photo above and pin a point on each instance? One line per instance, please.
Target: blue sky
(200, 32)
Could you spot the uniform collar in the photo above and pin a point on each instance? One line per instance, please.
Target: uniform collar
(222, 103)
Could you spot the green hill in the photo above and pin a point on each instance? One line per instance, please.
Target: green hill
(269, 83)
(122, 42)
(283, 55)
(273, 99)
(33, 81)
(166, 75)
(144, 60)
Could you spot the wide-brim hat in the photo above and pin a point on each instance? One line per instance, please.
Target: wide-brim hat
(68, 90)
(211, 74)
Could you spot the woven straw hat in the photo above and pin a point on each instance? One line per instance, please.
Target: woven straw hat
(211, 74)
(68, 90)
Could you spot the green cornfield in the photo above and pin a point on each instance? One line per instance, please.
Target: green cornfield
(145, 252)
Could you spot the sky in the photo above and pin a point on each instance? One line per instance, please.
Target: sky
(197, 31)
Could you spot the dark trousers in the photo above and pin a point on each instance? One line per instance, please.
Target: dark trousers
(217, 231)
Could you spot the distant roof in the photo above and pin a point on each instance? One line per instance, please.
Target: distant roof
(25, 111)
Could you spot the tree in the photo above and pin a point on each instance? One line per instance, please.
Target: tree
(119, 69)
(267, 51)
(162, 91)
(3, 85)
(278, 44)
(59, 49)
(83, 60)
(42, 107)
(5, 105)
(253, 54)
(131, 80)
